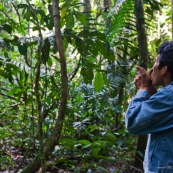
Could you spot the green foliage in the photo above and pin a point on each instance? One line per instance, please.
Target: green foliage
(5, 161)
(101, 52)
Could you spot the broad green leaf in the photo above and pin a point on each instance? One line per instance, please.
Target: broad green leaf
(23, 49)
(99, 144)
(7, 28)
(81, 17)
(1, 7)
(13, 91)
(98, 81)
(85, 143)
(7, 41)
(63, 12)
(69, 20)
(101, 47)
(22, 5)
(87, 73)
(80, 44)
(95, 152)
(110, 137)
(92, 128)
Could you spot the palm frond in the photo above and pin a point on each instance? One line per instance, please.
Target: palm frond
(117, 7)
(119, 15)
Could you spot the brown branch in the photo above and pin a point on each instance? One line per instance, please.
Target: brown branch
(46, 111)
(54, 83)
(73, 73)
(64, 80)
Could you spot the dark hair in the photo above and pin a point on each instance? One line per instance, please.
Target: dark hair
(166, 56)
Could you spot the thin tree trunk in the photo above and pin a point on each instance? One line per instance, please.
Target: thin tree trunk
(142, 38)
(53, 141)
(143, 53)
(64, 81)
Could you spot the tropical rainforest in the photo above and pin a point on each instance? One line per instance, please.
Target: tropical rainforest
(66, 79)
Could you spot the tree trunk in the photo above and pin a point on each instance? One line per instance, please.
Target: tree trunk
(53, 141)
(142, 38)
(143, 53)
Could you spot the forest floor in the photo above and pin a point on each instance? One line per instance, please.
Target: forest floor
(18, 160)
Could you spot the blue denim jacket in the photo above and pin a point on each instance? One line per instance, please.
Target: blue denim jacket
(154, 116)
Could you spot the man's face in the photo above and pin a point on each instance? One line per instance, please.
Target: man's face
(155, 74)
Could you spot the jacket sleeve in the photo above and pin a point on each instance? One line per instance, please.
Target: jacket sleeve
(150, 115)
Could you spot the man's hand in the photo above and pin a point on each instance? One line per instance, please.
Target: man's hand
(143, 81)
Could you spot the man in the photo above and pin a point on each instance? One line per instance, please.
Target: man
(151, 111)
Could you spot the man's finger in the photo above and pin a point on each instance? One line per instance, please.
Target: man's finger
(141, 69)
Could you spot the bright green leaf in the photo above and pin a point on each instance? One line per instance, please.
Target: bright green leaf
(95, 152)
(98, 81)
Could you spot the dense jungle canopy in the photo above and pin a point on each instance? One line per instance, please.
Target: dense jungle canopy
(66, 78)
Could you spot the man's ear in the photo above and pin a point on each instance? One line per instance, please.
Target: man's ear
(164, 70)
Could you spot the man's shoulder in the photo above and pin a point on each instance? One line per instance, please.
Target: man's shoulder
(169, 87)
